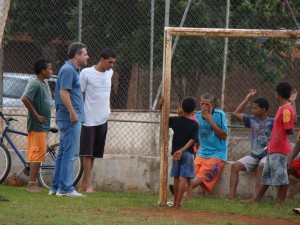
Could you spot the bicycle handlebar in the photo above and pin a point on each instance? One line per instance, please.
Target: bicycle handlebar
(7, 120)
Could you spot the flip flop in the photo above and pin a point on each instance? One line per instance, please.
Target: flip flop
(170, 204)
(296, 210)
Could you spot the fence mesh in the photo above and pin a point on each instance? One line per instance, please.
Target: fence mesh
(43, 29)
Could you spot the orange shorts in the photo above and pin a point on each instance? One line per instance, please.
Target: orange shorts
(296, 166)
(208, 170)
(37, 146)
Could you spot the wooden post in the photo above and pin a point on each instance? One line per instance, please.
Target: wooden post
(242, 33)
(4, 8)
(164, 125)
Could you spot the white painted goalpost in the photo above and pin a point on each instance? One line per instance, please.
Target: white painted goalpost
(167, 57)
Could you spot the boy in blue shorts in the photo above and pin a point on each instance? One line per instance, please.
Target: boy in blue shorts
(184, 138)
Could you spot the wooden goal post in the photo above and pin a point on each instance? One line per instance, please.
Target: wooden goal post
(167, 58)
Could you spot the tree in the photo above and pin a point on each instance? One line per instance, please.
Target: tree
(267, 57)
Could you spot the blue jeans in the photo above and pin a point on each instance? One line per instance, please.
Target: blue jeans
(67, 154)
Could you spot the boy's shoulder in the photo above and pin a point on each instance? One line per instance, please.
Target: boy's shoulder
(87, 69)
(256, 118)
(35, 83)
(182, 119)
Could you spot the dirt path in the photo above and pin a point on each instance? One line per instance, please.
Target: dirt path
(201, 218)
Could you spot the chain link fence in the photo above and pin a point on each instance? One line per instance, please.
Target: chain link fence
(134, 29)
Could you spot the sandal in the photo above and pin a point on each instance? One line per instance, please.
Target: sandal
(296, 210)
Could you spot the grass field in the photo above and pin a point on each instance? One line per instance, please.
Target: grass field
(135, 208)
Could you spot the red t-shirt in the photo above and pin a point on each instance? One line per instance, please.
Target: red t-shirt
(284, 120)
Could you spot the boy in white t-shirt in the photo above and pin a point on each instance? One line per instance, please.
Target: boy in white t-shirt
(95, 83)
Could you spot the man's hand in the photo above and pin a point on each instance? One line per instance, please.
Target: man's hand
(251, 93)
(180, 112)
(73, 117)
(177, 155)
(293, 96)
(161, 102)
(206, 115)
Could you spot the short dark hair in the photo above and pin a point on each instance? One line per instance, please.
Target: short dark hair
(262, 103)
(188, 104)
(74, 49)
(284, 89)
(108, 53)
(209, 97)
(39, 65)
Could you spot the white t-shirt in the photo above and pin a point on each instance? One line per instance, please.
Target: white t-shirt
(97, 86)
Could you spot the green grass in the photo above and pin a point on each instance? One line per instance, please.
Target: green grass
(122, 208)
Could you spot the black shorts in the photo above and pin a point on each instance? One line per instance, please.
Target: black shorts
(92, 141)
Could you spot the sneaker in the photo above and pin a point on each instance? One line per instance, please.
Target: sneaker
(70, 194)
(52, 192)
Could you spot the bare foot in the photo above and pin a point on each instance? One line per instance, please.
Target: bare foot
(252, 201)
(177, 206)
(33, 187)
(229, 198)
(90, 190)
(279, 202)
(86, 188)
(83, 187)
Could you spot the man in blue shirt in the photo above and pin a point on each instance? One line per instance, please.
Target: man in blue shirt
(69, 115)
(212, 155)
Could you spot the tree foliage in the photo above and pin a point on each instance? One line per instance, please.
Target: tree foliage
(267, 57)
(124, 25)
(40, 21)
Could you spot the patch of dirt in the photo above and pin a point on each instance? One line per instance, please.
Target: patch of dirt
(201, 218)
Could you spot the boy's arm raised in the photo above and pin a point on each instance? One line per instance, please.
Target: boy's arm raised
(238, 113)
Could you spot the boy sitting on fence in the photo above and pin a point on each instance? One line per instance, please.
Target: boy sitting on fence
(261, 127)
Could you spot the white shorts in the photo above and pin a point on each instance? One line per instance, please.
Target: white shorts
(251, 163)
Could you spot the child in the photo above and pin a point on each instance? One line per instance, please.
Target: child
(184, 138)
(261, 128)
(294, 160)
(275, 169)
(192, 117)
(37, 101)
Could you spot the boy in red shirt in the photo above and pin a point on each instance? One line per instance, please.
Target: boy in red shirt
(275, 170)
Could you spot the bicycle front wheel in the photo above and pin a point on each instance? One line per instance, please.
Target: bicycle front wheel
(5, 162)
(46, 171)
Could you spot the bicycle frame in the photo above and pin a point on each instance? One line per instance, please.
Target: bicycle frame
(44, 177)
(15, 148)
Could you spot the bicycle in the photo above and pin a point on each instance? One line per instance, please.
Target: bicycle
(46, 170)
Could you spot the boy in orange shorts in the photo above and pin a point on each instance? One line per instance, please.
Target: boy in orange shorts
(212, 155)
(37, 101)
